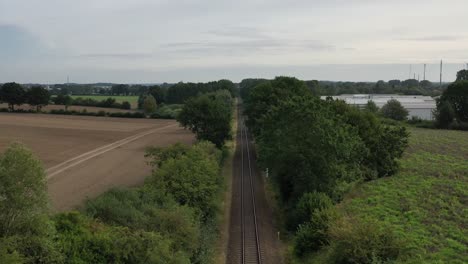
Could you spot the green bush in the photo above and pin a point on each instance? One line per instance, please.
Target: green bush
(307, 205)
(83, 240)
(149, 210)
(313, 235)
(193, 178)
(364, 241)
(167, 111)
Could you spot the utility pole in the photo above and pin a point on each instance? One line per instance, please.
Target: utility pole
(440, 85)
(424, 71)
(410, 70)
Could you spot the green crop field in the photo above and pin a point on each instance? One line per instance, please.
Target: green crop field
(132, 99)
(426, 203)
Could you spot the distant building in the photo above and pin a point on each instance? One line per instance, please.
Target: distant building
(417, 105)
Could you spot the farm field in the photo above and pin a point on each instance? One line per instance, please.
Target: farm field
(85, 156)
(426, 202)
(132, 99)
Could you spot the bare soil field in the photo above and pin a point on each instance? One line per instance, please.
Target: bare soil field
(70, 108)
(85, 156)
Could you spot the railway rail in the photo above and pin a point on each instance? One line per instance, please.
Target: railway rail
(250, 248)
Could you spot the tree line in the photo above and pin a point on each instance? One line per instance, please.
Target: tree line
(15, 95)
(315, 151)
(171, 218)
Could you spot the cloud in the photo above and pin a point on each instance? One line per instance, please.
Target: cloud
(18, 43)
(117, 55)
(434, 38)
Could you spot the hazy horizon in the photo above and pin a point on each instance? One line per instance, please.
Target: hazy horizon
(159, 41)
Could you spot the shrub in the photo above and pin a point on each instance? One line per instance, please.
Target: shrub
(394, 110)
(307, 205)
(364, 241)
(192, 179)
(82, 240)
(126, 105)
(313, 235)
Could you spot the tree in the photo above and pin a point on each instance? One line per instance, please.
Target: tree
(410, 83)
(126, 105)
(65, 100)
(209, 117)
(444, 114)
(462, 75)
(38, 96)
(394, 110)
(13, 94)
(119, 89)
(394, 83)
(426, 84)
(372, 107)
(149, 104)
(158, 93)
(23, 191)
(457, 95)
(269, 94)
(192, 178)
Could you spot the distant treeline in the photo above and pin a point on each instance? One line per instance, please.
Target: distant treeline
(323, 88)
(107, 103)
(165, 93)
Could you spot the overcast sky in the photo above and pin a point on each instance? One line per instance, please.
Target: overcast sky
(149, 41)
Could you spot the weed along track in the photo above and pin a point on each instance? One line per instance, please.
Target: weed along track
(250, 220)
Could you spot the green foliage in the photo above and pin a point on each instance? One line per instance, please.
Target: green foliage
(364, 242)
(462, 75)
(209, 117)
(318, 150)
(158, 93)
(192, 178)
(269, 94)
(8, 252)
(149, 210)
(61, 99)
(307, 148)
(167, 111)
(394, 110)
(307, 205)
(126, 105)
(23, 191)
(247, 85)
(313, 235)
(37, 96)
(13, 94)
(180, 92)
(25, 226)
(149, 104)
(372, 107)
(423, 205)
(82, 240)
(456, 95)
(384, 143)
(159, 155)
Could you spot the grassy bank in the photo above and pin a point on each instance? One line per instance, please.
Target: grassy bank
(424, 205)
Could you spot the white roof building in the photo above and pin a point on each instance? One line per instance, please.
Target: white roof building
(417, 105)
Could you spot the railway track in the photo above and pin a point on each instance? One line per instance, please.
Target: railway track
(250, 247)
